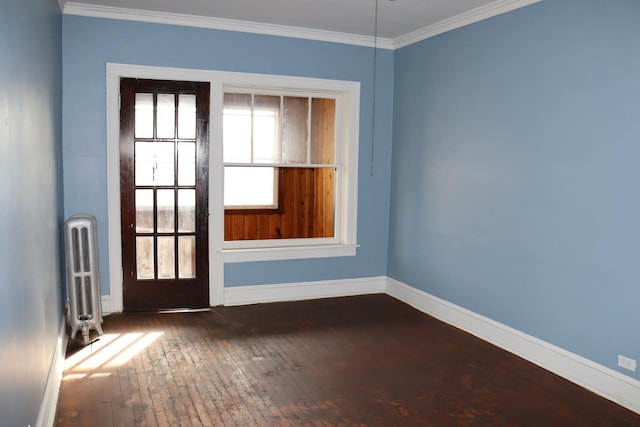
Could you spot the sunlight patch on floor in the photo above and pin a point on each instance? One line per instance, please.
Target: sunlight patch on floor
(109, 352)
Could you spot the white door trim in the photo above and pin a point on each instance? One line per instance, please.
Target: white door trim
(216, 221)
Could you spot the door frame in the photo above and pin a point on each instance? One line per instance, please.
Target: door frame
(114, 73)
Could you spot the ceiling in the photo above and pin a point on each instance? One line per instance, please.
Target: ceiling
(396, 19)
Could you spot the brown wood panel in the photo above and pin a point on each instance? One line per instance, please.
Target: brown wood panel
(324, 203)
(275, 224)
(264, 232)
(237, 227)
(251, 226)
(357, 361)
(323, 131)
(306, 209)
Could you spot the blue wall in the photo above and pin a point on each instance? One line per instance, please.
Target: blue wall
(515, 172)
(89, 43)
(31, 203)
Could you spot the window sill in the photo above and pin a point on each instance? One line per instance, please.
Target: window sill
(289, 252)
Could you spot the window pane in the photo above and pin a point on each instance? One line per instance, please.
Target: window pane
(166, 211)
(323, 131)
(154, 163)
(166, 257)
(144, 258)
(187, 116)
(294, 129)
(186, 211)
(266, 129)
(236, 128)
(144, 211)
(186, 163)
(166, 115)
(186, 257)
(247, 186)
(143, 115)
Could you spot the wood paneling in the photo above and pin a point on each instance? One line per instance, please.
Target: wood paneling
(306, 195)
(306, 209)
(324, 202)
(323, 131)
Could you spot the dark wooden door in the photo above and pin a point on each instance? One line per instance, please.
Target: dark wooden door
(164, 127)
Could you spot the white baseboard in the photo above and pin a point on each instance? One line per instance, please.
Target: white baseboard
(243, 295)
(105, 302)
(47, 413)
(604, 381)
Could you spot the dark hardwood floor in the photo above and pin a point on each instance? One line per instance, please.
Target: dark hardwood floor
(357, 361)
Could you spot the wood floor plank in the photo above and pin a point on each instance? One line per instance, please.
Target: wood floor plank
(356, 361)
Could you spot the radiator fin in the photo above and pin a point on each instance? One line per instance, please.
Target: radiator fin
(83, 277)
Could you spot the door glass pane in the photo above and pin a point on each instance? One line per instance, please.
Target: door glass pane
(294, 129)
(166, 211)
(236, 128)
(154, 163)
(144, 257)
(144, 211)
(323, 131)
(187, 116)
(187, 163)
(186, 257)
(186, 211)
(266, 129)
(166, 257)
(166, 115)
(143, 118)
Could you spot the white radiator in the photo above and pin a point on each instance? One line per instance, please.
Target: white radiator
(83, 276)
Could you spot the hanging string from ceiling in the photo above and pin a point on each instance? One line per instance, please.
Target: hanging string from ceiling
(374, 79)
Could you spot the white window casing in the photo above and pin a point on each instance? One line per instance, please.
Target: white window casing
(347, 97)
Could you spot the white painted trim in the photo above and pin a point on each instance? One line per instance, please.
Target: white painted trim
(105, 304)
(113, 188)
(604, 381)
(283, 253)
(47, 412)
(243, 295)
(348, 90)
(95, 11)
(114, 73)
(475, 15)
(216, 198)
(467, 18)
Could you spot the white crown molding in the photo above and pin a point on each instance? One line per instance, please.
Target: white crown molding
(484, 12)
(95, 11)
(467, 18)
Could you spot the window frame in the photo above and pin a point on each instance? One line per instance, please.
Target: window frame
(347, 96)
(275, 207)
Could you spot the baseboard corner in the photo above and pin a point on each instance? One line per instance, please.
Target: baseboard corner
(105, 302)
(610, 384)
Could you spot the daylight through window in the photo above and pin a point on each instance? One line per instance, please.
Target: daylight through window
(280, 166)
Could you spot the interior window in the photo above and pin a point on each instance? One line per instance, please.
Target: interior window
(279, 154)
